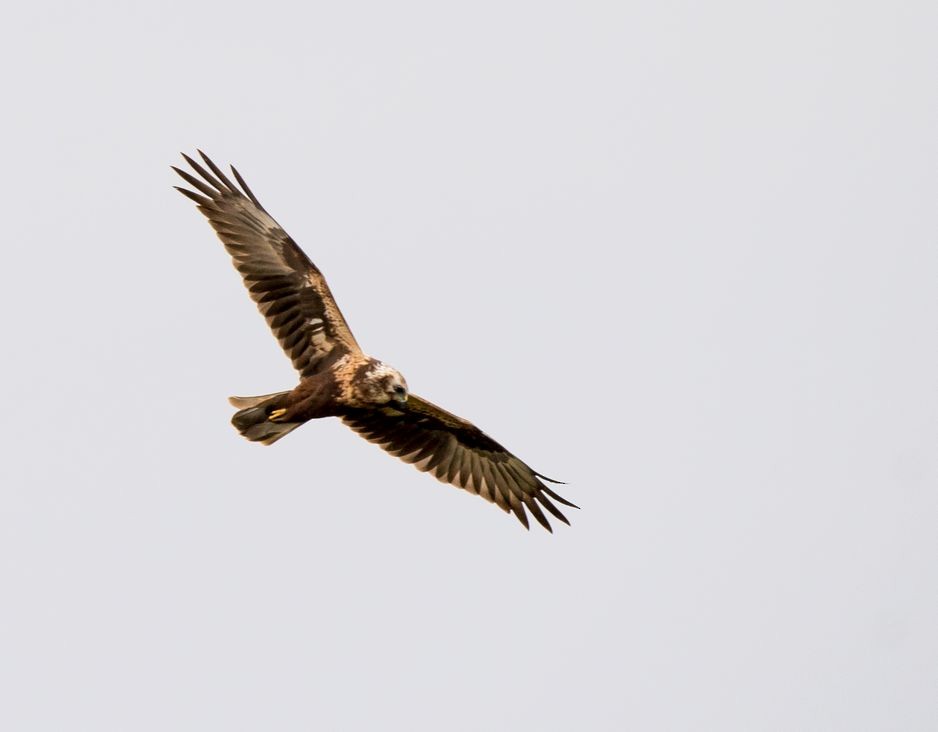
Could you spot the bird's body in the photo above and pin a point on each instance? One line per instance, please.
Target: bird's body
(337, 379)
(354, 381)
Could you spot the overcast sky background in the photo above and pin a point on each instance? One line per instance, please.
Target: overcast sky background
(680, 255)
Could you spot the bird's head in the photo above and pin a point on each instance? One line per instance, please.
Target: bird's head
(382, 384)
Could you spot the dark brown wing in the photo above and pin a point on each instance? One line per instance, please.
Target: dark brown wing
(289, 290)
(456, 451)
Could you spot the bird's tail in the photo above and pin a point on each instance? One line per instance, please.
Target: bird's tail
(255, 418)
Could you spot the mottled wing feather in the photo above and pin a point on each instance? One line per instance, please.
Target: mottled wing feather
(457, 452)
(288, 288)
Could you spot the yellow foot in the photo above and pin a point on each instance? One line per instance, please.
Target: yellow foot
(276, 414)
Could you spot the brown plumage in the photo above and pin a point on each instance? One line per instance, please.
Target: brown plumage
(336, 378)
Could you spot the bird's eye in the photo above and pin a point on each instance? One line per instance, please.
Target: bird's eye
(399, 390)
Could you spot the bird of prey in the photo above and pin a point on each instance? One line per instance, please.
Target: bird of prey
(337, 379)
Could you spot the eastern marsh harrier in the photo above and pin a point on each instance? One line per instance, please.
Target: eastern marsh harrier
(337, 379)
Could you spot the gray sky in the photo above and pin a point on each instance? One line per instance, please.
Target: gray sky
(680, 255)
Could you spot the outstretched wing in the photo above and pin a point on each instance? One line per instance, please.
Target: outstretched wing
(289, 290)
(456, 451)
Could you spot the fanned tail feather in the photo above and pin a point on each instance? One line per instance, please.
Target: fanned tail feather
(253, 421)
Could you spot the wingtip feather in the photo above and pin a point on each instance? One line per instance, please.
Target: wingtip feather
(549, 480)
(205, 174)
(218, 171)
(559, 499)
(246, 189)
(203, 202)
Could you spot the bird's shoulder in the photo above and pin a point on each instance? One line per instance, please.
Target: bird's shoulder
(347, 372)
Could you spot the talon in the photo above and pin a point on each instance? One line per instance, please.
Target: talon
(276, 414)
